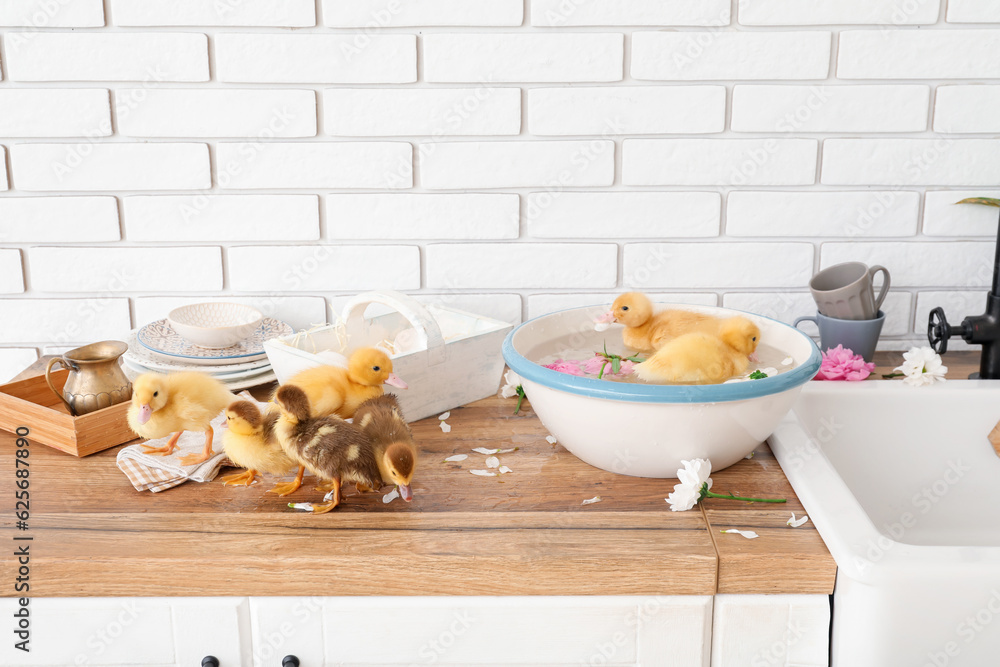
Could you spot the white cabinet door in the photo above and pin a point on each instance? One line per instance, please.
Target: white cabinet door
(522, 631)
(131, 632)
(771, 631)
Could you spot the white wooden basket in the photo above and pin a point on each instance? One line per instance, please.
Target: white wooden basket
(454, 360)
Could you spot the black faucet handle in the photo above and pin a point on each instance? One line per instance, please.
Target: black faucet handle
(209, 661)
(290, 661)
(938, 330)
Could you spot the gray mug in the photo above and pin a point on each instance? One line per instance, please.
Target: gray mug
(847, 291)
(860, 336)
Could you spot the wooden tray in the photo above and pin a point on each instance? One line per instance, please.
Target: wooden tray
(30, 403)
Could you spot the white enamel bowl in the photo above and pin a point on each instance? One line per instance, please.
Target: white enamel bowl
(647, 430)
(215, 325)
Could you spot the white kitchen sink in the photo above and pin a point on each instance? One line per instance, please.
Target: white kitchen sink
(904, 487)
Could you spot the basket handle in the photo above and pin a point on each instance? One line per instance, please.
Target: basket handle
(428, 331)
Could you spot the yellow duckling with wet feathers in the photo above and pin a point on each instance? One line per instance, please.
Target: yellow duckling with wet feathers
(702, 358)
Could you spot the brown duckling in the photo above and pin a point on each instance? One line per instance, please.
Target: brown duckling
(329, 447)
(382, 421)
(250, 443)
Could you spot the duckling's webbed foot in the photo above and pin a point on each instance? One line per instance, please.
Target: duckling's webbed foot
(325, 487)
(289, 487)
(165, 450)
(323, 508)
(193, 459)
(245, 478)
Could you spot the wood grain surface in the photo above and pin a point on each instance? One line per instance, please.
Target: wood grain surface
(524, 533)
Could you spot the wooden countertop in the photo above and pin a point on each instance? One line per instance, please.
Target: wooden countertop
(525, 533)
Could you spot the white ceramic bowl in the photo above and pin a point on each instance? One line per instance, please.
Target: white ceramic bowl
(646, 430)
(215, 325)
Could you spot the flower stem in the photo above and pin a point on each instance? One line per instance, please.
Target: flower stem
(889, 376)
(705, 493)
(520, 398)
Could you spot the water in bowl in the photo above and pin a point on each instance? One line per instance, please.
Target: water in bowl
(581, 346)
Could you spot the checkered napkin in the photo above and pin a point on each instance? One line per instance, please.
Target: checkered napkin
(159, 473)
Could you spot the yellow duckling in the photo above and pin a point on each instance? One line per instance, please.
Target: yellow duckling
(250, 443)
(174, 403)
(332, 390)
(701, 358)
(647, 331)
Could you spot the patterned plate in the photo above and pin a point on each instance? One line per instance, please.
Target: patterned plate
(141, 356)
(226, 376)
(234, 385)
(161, 339)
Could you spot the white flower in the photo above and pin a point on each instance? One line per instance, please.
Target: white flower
(795, 523)
(503, 470)
(922, 366)
(693, 476)
(492, 462)
(749, 534)
(509, 390)
(308, 507)
(483, 473)
(488, 452)
(551, 439)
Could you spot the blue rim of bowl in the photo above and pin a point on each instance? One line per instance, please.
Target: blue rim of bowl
(658, 393)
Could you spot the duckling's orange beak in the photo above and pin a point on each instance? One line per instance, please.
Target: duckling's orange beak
(395, 381)
(145, 412)
(405, 492)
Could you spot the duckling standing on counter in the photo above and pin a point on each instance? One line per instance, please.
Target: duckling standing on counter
(647, 331)
(329, 447)
(382, 421)
(250, 443)
(174, 403)
(701, 358)
(334, 390)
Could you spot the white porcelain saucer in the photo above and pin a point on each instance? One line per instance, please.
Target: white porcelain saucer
(161, 340)
(142, 356)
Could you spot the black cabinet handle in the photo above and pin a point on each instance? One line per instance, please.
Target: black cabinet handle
(209, 661)
(290, 661)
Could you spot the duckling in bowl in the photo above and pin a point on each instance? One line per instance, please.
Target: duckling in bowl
(645, 430)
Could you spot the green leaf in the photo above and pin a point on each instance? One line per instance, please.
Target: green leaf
(616, 364)
(758, 375)
(985, 201)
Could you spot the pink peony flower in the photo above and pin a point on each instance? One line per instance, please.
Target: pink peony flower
(593, 367)
(563, 366)
(840, 363)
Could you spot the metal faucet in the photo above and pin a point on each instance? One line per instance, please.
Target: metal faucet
(975, 329)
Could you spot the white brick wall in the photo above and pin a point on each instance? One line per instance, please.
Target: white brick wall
(508, 157)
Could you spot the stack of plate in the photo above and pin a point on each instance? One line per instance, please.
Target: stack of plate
(157, 347)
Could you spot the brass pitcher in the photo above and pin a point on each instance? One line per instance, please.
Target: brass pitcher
(95, 381)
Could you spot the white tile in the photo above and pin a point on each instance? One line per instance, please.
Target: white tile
(615, 215)
(509, 164)
(973, 11)
(11, 271)
(523, 58)
(941, 161)
(323, 268)
(226, 112)
(918, 54)
(264, 13)
(110, 166)
(341, 164)
(823, 108)
(374, 112)
(966, 109)
(49, 112)
(810, 214)
(106, 56)
(115, 270)
(722, 55)
(714, 265)
(559, 13)
(942, 217)
(43, 14)
(885, 13)
(63, 320)
(611, 110)
(58, 219)
(520, 265)
(921, 264)
(212, 217)
(315, 58)
(422, 216)
(392, 14)
(719, 161)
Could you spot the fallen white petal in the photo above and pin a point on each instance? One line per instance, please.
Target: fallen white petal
(787, 361)
(504, 469)
(446, 427)
(795, 523)
(308, 507)
(483, 450)
(552, 439)
(602, 326)
(444, 415)
(749, 534)
(493, 462)
(483, 473)
(506, 451)
(392, 495)
(749, 456)
(591, 501)
(457, 457)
